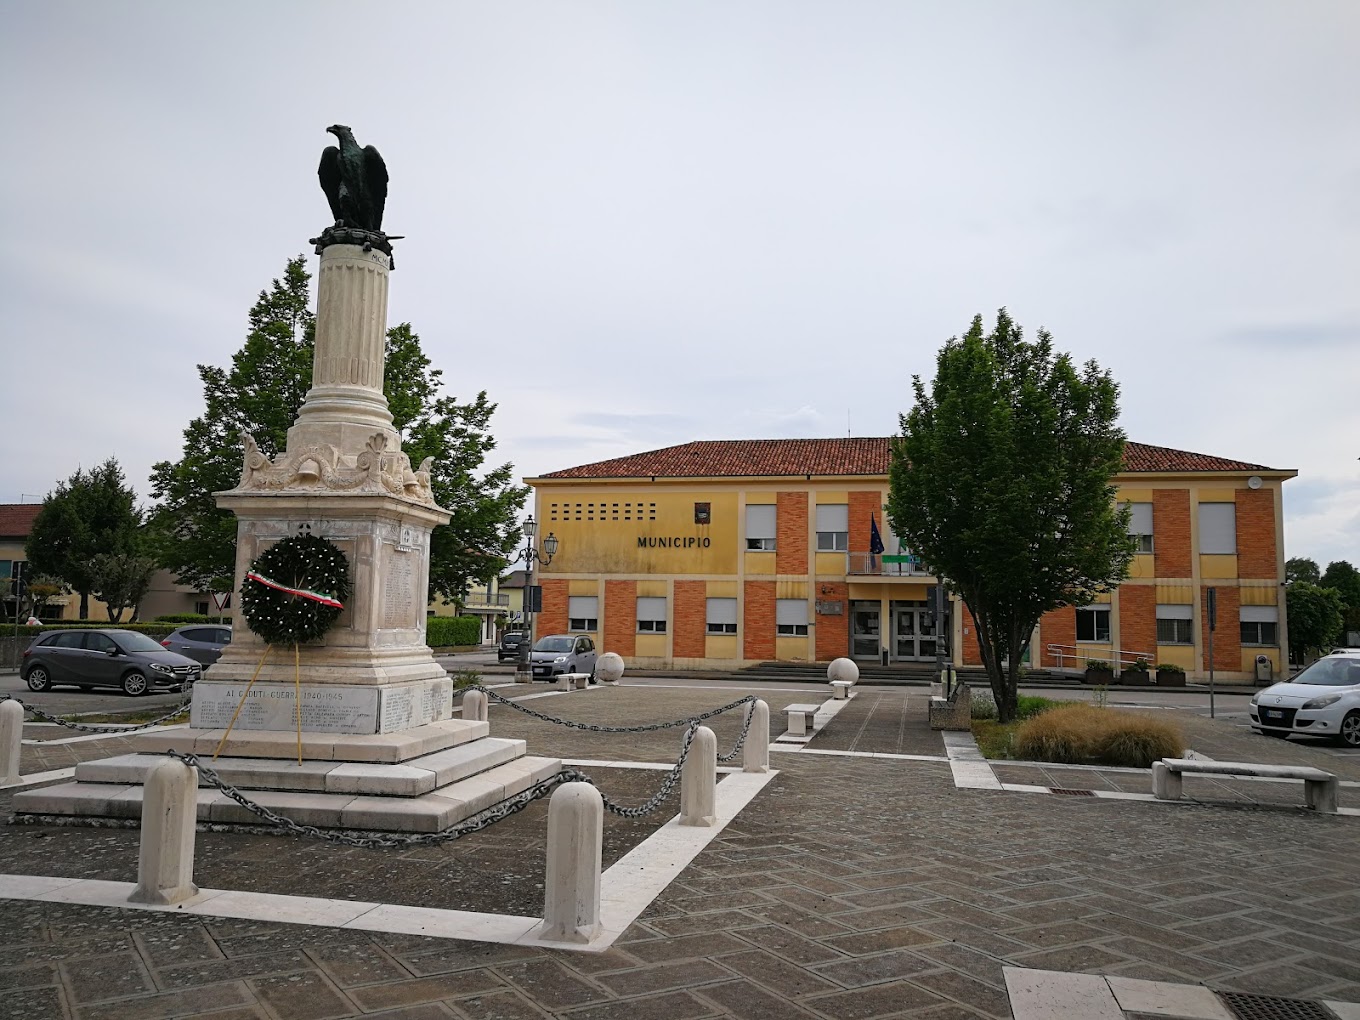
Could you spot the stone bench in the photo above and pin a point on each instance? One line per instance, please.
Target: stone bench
(1319, 788)
(954, 712)
(574, 681)
(840, 689)
(800, 718)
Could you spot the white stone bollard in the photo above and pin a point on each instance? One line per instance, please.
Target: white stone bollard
(11, 735)
(609, 667)
(571, 889)
(755, 753)
(475, 706)
(699, 780)
(165, 864)
(843, 669)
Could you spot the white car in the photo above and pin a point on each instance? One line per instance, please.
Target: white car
(1321, 700)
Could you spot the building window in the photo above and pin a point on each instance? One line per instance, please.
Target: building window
(1093, 623)
(760, 531)
(651, 616)
(703, 513)
(1140, 526)
(722, 616)
(1218, 528)
(583, 612)
(791, 617)
(1260, 625)
(1174, 625)
(833, 527)
(201, 608)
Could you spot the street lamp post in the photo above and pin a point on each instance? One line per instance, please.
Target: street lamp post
(531, 555)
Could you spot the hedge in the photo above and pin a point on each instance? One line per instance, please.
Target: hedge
(442, 631)
(156, 630)
(193, 618)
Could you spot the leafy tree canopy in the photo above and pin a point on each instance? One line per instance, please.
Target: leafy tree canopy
(1001, 482)
(1344, 579)
(1315, 616)
(94, 512)
(1301, 568)
(121, 580)
(261, 395)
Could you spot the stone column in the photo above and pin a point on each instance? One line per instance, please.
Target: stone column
(756, 751)
(571, 886)
(11, 733)
(165, 863)
(699, 780)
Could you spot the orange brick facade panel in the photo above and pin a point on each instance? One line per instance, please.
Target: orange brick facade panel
(1171, 532)
(833, 632)
(1228, 632)
(972, 653)
(691, 620)
(791, 534)
(553, 619)
(1058, 627)
(1256, 553)
(864, 506)
(620, 617)
(1138, 620)
(758, 621)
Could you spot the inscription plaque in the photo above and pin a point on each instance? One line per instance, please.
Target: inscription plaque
(325, 708)
(399, 603)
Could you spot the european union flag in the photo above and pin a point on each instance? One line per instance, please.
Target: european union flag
(875, 539)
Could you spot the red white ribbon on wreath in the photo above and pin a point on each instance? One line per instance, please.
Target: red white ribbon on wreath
(315, 596)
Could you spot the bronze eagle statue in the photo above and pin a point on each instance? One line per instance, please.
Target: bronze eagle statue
(354, 180)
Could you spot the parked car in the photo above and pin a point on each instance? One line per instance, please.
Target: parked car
(563, 653)
(509, 646)
(1321, 700)
(89, 658)
(202, 642)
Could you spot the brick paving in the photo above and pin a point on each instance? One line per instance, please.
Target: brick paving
(850, 889)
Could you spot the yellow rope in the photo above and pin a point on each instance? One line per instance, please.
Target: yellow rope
(297, 697)
(259, 667)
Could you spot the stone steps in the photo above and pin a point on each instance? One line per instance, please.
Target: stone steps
(412, 778)
(428, 812)
(391, 748)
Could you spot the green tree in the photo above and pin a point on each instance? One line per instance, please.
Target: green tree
(1315, 615)
(1001, 482)
(1301, 568)
(121, 580)
(1344, 579)
(91, 513)
(42, 590)
(261, 395)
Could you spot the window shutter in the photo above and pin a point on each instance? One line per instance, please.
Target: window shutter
(1260, 614)
(791, 612)
(649, 608)
(583, 607)
(1218, 527)
(760, 521)
(833, 517)
(1175, 612)
(722, 611)
(1140, 520)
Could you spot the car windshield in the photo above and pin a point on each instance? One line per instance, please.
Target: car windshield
(131, 641)
(1332, 671)
(553, 644)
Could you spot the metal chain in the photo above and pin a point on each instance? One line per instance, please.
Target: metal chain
(667, 784)
(745, 729)
(693, 720)
(84, 728)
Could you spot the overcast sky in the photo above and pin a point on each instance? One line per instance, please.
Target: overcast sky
(638, 224)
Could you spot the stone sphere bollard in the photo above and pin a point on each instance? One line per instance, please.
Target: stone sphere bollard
(609, 667)
(11, 733)
(571, 887)
(843, 669)
(475, 706)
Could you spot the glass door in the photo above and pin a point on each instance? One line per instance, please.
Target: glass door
(864, 630)
(925, 628)
(904, 634)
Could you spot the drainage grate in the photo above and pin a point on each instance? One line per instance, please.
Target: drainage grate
(1267, 1007)
(1071, 793)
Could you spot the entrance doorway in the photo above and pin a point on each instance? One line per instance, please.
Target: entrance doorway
(913, 638)
(865, 640)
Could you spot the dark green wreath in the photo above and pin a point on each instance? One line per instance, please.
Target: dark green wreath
(295, 591)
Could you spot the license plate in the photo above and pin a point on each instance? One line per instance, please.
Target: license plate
(1274, 715)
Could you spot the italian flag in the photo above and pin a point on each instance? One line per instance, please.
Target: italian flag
(302, 593)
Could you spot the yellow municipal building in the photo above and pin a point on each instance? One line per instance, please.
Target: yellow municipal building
(727, 553)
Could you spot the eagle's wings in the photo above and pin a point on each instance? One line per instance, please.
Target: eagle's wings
(329, 172)
(375, 182)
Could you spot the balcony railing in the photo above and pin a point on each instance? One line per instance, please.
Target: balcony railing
(885, 565)
(485, 601)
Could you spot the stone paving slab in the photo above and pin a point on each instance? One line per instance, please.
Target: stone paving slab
(850, 888)
(883, 721)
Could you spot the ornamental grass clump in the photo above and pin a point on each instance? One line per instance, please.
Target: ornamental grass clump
(1087, 735)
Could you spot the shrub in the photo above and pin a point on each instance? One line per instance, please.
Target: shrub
(463, 678)
(442, 631)
(984, 705)
(1028, 705)
(1169, 667)
(1141, 663)
(1136, 741)
(1100, 664)
(1084, 734)
(189, 618)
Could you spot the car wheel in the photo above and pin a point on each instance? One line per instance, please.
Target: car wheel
(38, 680)
(134, 684)
(1350, 729)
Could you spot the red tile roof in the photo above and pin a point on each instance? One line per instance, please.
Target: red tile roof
(16, 519)
(747, 458)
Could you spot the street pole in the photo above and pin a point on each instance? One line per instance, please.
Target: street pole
(523, 672)
(1212, 595)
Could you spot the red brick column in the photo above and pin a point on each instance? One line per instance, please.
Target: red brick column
(553, 619)
(1138, 619)
(1228, 635)
(833, 632)
(1171, 532)
(1256, 554)
(691, 620)
(791, 537)
(972, 652)
(863, 506)
(620, 618)
(758, 621)
(1057, 627)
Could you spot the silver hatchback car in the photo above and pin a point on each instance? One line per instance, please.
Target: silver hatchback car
(562, 653)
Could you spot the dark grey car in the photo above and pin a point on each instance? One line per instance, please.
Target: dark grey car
(202, 642)
(89, 658)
